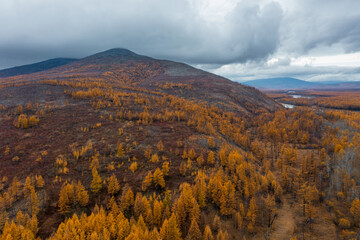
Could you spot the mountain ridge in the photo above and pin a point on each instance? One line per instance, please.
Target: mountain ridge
(121, 67)
(282, 83)
(35, 67)
(288, 83)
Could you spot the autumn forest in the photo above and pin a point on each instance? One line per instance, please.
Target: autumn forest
(122, 146)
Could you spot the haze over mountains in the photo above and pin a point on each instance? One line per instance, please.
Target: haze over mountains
(287, 83)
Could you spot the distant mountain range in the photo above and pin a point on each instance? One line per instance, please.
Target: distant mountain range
(119, 56)
(287, 83)
(35, 67)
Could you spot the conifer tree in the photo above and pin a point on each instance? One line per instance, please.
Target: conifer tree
(96, 183)
(207, 233)
(148, 152)
(120, 150)
(192, 154)
(270, 209)
(211, 158)
(82, 196)
(33, 203)
(157, 212)
(251, 214)
(154, 158)
(160, 146)
(170, 229)
(28, 186)
(158, 178)
(227, 200)
(154, 234)
(39, 181)
(147, 181)
(355, 211)
(194, 231)
(165, 168)
(200, 160)
(65, 199)
(113, 185)
(127, 200)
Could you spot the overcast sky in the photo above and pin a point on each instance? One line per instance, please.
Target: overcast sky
(241, 40)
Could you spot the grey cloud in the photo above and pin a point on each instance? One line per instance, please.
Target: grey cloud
(310, 24)
(165, 29)
(250, 71)
(249, 33)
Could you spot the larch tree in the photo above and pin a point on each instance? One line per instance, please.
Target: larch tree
(157, 212)
(355, 211)
(251, 214)
(82, 196)
(165, 168)
(194, 231)
(227, 200)
(270, 209)
(96, 183)
(154, 158)
(158, 178)
(28, 186)
(211, 158)
(170, 229)
(200, 160)
(147, 181)
(160, 146)
(65, 198)
(113, 185)
(33, 203)
(208, 234)
(39, 181)
(120, 150)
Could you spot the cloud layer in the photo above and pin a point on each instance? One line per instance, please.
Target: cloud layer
(217, 32)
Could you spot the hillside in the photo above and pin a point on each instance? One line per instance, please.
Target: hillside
(123, 68)
(35, 67)
(123, 146)
(284, 83)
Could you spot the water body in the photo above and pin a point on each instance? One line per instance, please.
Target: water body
(300, 96)
(288, 105)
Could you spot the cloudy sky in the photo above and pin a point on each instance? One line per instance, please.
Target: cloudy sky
(316, 40)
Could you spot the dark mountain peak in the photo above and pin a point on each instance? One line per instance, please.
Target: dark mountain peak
(115, 55)
(115, 52)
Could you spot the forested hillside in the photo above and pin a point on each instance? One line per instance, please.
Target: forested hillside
(122, 146)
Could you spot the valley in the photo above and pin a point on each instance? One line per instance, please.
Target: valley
(123, 146)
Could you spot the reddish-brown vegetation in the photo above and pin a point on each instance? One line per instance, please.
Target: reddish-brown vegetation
(126, 155)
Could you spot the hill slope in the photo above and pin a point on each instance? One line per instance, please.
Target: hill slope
(123, 68)
(123, 146)
(35, 67)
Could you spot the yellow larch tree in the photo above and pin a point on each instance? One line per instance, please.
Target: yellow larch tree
(113, 185)
(158, 178)
(82, 196)
(96, 183)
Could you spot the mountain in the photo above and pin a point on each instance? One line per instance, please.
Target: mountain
(115, 134)
(35, 67)
(281, 83)
(340, 85)
(125, 68)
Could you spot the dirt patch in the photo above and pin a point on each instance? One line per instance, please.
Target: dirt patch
(285, 222)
